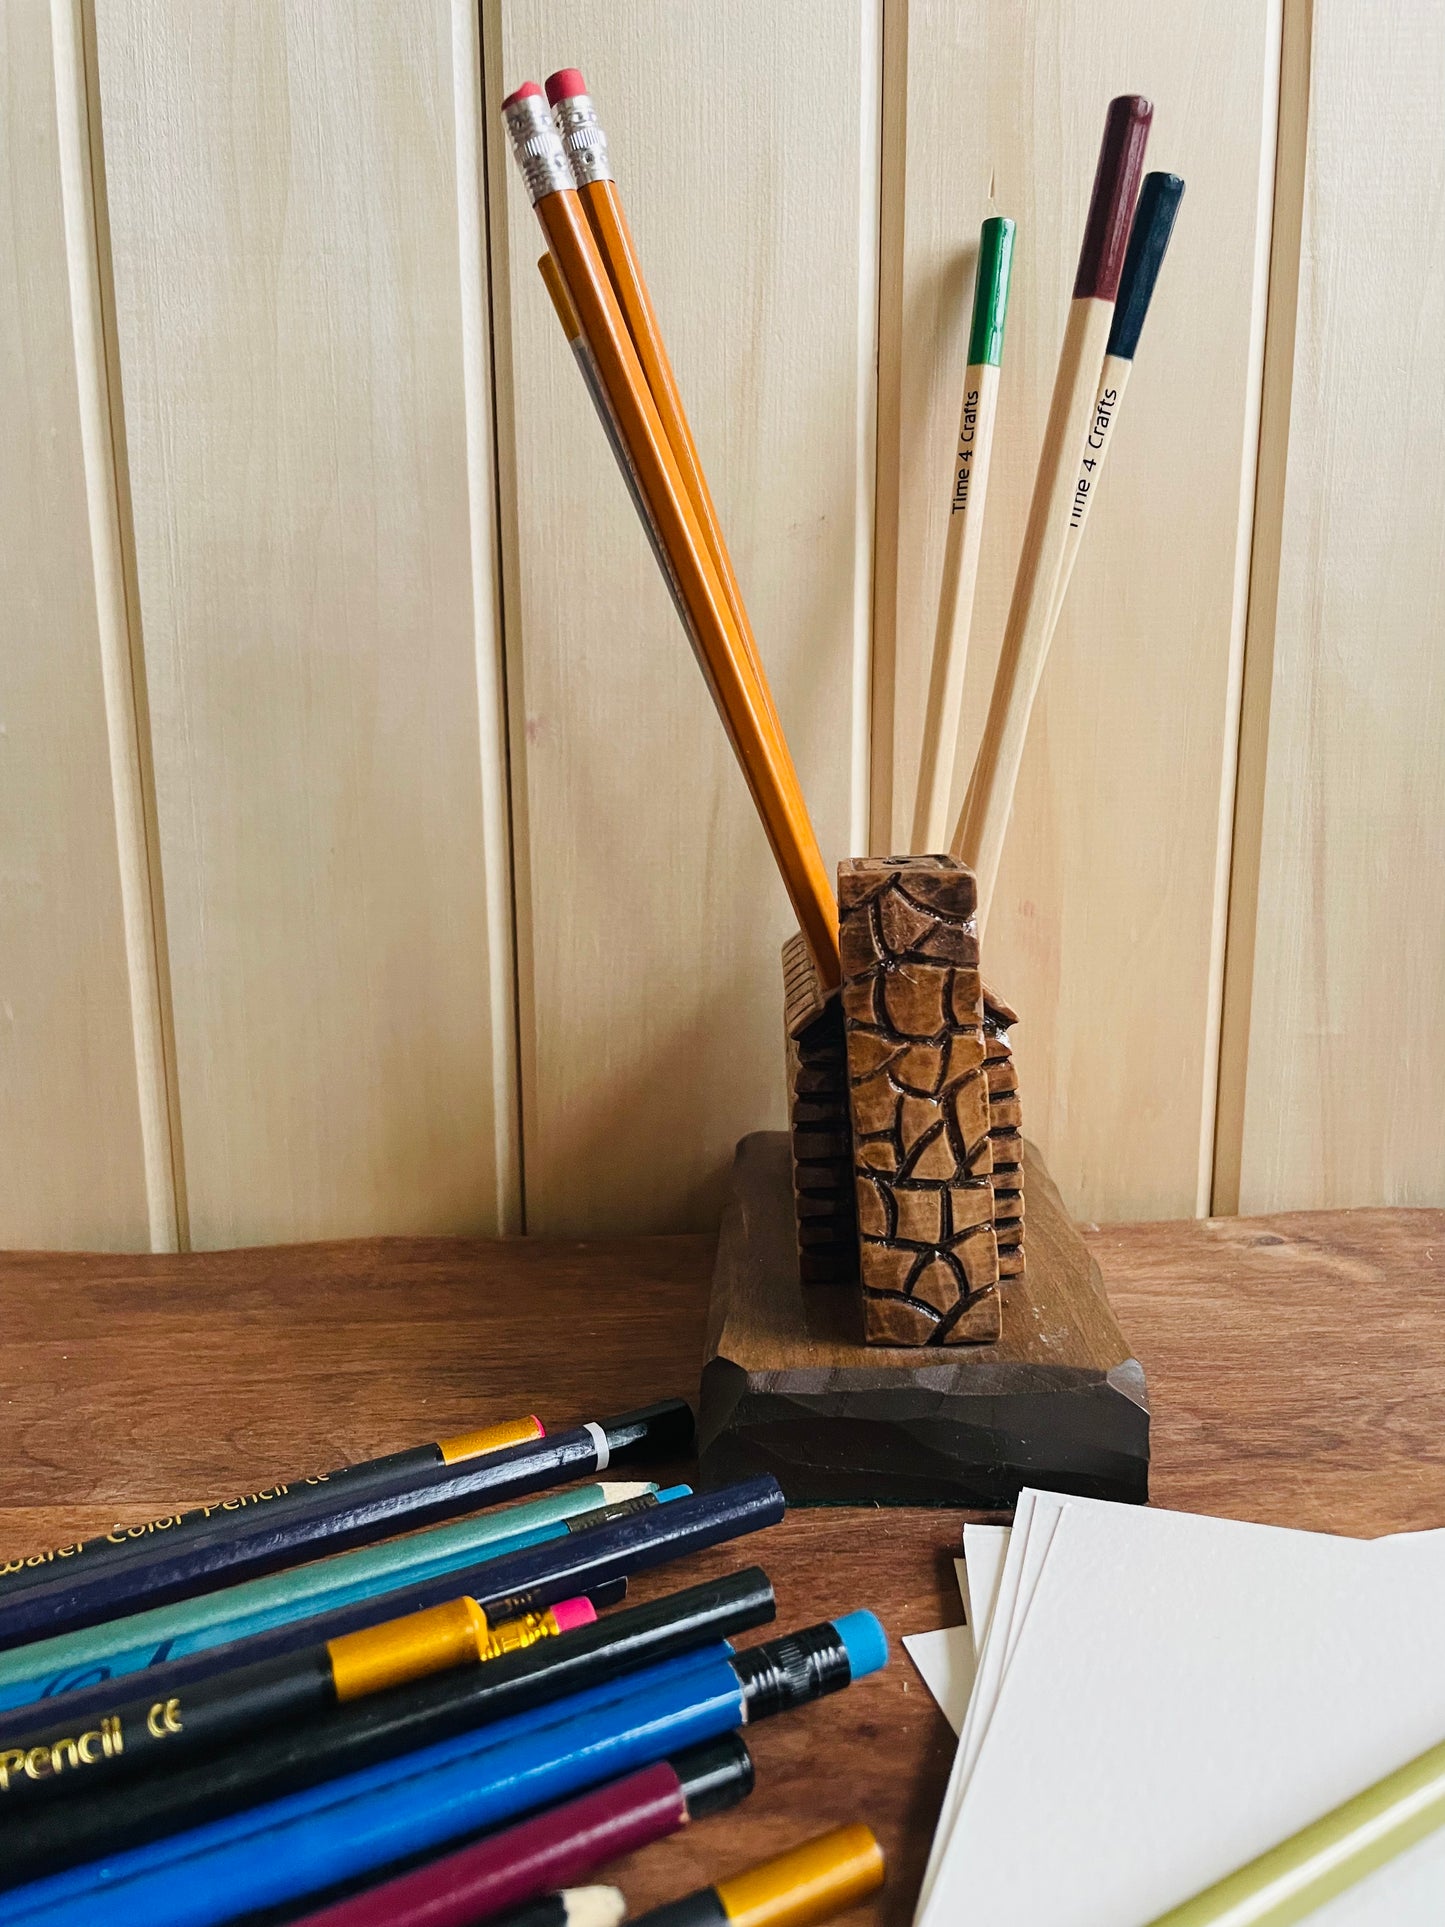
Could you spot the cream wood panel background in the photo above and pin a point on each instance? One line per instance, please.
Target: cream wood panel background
(299, 308)
(72, 1167)
(330, 651)
(1332, 1085)
(1107, 930)
(649, 913)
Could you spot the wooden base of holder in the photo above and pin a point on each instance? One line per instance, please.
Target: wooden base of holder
(789, 1386)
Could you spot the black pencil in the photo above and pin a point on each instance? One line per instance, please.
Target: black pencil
(244, 1545)
(346, 1739)
(60, 1760)
(525, 1581)
(395, 1472)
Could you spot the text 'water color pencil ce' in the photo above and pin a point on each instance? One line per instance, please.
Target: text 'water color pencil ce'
(94, 1654)
(251, 1544)
(396, 1471)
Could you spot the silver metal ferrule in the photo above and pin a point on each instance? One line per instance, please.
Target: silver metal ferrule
(537, 147)
(583, 141)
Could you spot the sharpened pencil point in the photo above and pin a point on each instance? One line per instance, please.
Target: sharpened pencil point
(593, 1906)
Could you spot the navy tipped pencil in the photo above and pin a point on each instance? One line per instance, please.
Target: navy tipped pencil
(523, 1582)
(394, 1723)
(243, 1545)
(392, 1473)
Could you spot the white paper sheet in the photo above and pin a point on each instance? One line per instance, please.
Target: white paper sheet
(1161, 1697)
(946, 1661)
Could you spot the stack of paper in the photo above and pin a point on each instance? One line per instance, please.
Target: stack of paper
(1158, 1698)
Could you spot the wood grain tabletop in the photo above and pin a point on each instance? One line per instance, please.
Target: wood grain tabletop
(1296, 1369)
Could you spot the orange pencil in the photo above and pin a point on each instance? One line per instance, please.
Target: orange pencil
(737, 689)
(585, 145)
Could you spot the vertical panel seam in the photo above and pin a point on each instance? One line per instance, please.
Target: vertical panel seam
(867, 474)
(112, 544)
(483, 495)
(892, 185)
(1251, 741)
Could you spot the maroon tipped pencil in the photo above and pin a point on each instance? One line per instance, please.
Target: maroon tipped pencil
(554, 1848)
(1033, 610)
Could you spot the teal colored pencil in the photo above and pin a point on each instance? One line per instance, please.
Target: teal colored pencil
(75, 1660)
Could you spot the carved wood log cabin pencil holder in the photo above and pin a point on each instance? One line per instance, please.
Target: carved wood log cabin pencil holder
(876, 1330)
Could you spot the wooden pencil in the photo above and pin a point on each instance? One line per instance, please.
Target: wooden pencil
(761, 752)
(978, 837)
(585, 145)
(1159, 199)
(582, 355)
(965, 535)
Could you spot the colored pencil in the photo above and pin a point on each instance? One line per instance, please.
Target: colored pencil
(248, 1546)
(1328, 1856)
(119, 1647)
(524, 1582)
(579, 1907)
(1154, 218)
(350, 1738)
(396, 1471)
(57, 1760)
(963, 542)
(823, 1877)
(732, 677)
(568, 1843)
(287, 1849)
(979, 834)
(588, 155)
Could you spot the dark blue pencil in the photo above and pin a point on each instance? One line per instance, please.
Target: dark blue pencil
(286, 1849)
(242, 1545)
(523, 1582)
(386, 1727)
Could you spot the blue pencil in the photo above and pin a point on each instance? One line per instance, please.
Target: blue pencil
(297, 1846)
(74, 1661)
(523, 1582)
(244, 1545)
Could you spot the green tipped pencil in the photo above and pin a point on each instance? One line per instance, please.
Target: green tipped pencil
(931, 817)
(1324, 1858)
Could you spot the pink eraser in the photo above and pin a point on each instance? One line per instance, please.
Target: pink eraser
(571, 1613)
(565, 84)
(524, 92)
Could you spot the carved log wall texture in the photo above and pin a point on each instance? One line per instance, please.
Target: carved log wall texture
(819, 1124)
(918, 1068)
(1006, 1132)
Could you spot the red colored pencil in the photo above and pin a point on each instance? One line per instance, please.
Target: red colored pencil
(553, 1848)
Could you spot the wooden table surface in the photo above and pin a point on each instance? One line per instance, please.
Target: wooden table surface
(1296, 1367)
